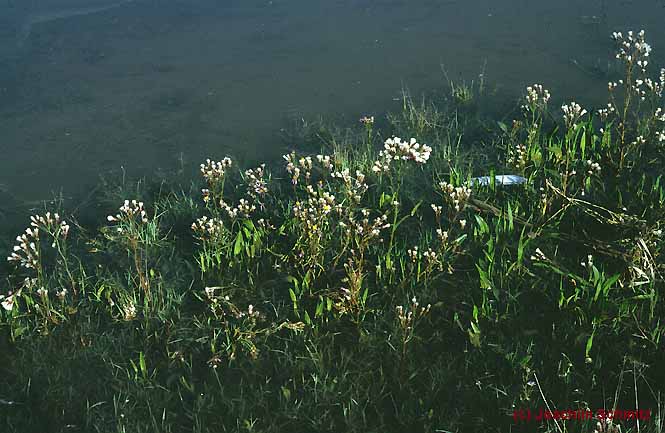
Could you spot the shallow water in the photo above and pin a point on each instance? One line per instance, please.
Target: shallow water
(142, 83)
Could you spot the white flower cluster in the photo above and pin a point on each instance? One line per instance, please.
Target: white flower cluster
(605, 425)
(632, 48)
(7, 302)
(294, 166)
(442, 235)
(366, 228)
(430, 256)
(537, 97)
(648, 86)
(60, 294)
(355, 185)
(367, 120)
(205, 192)
(314, 212)
(265, 224)
(208, 228)
(457, 196)
(604, 113)
(257, 187)
(572, 113)
(413, 254)
(325, 161)
(660, 117)
(394, 149)
(129, 311)
(250, 313)
(210, 293)
(518, 156)
(589, 262)
(128, 211)
(244, 208)
(642, 64)
(408, 315)
(592, 167)
(51, 222)
(539, 255)
(639, 141)
(214, 171)
(256, 183)
(26, 251)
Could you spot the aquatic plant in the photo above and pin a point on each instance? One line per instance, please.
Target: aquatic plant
(380, 284)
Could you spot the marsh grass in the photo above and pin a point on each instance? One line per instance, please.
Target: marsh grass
(364, 284)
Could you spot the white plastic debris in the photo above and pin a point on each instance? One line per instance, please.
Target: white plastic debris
(501, 179)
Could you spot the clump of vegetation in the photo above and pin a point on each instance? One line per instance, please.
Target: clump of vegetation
(376, 286)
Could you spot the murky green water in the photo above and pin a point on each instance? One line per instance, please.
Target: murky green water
(88, 86)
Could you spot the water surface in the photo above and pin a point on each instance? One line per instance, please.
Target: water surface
(88, 86)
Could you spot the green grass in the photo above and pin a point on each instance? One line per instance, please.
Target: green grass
(358, 290)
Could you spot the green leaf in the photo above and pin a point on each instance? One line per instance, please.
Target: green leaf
(319, 308)
(484, 277)
(596, 273)
(134, 367)
(482, 225)
(503, 127)
(474, 335)
(556, 151)
(293, 280)
(589, 344)
(583, 145)
(599, 288)
(144, 370)
(186, 384)
(249, 224)
(415, 208)
(610, 282)
(237, 247)
(521, 244)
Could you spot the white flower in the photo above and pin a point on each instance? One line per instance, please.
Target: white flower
(572, 113)
(8, 302)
